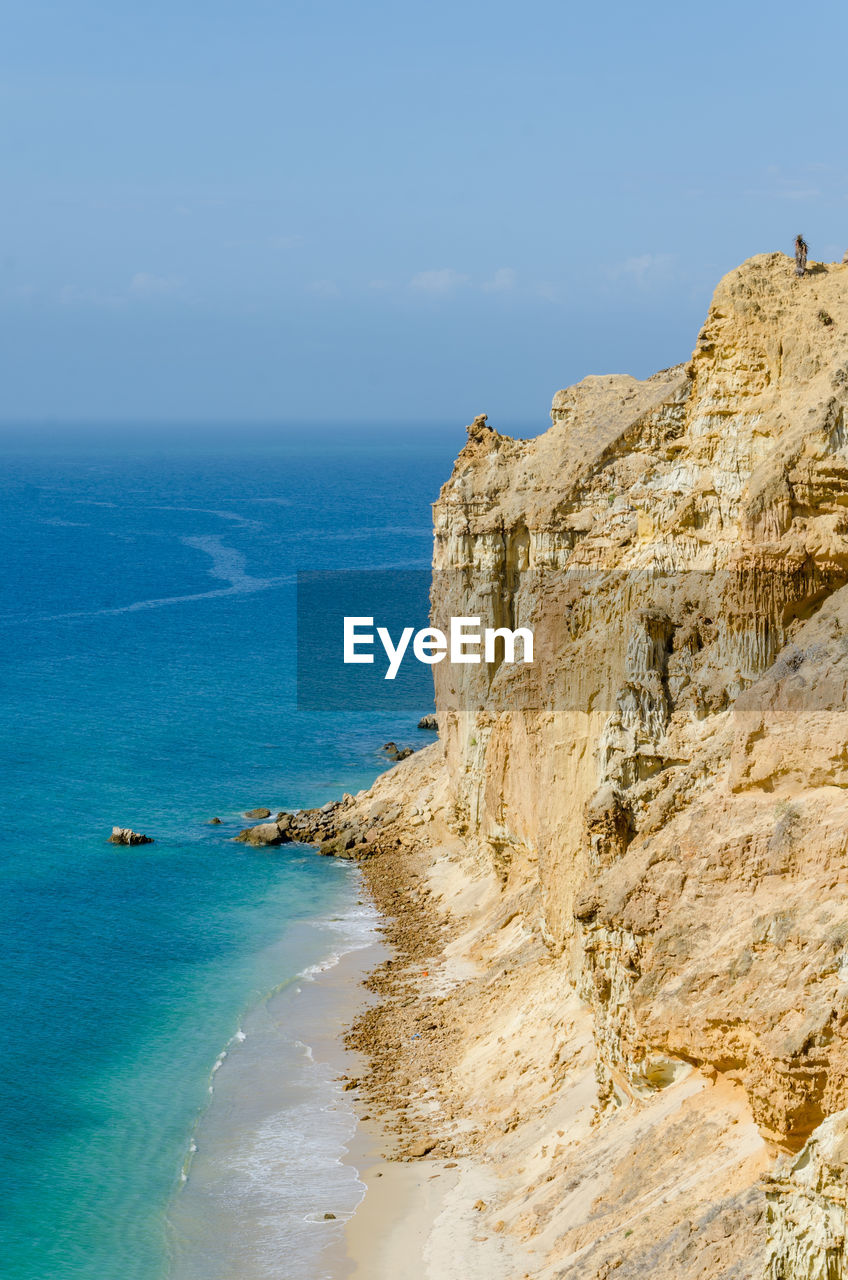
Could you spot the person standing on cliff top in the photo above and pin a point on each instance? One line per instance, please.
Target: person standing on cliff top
(800, 255)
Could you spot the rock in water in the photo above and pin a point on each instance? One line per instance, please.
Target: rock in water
(258, 813)
(264, 834)
(214, 822)
(124, 835)
(429, 722)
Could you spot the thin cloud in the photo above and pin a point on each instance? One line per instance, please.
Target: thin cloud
(72, 296)
(324, 289)
(549, 291)
(801, 185)
(642, 269)
(438, 282)
(787, 191)
(146, 285)
(503, 280)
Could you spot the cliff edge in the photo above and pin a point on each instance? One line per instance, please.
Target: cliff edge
(636, 850)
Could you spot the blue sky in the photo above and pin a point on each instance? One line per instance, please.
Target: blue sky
(391, 212)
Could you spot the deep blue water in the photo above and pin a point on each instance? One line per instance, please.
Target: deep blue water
(148, 640)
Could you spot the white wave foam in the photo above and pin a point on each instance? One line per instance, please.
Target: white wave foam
(227, 563)
(271, 1165)
(244, 522)
(272, 1147)
(256, 584)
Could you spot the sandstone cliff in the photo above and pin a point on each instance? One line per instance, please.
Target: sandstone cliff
(642, 1012)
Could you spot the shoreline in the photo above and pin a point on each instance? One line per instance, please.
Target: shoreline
(269, 1176)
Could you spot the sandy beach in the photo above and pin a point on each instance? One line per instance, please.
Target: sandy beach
(418, 1220)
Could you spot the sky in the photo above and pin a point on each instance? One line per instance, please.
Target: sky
(293, 212)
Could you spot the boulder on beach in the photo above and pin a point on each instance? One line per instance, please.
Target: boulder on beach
(418, 1150)
(258, 813)
(429, 722)
(125, 835)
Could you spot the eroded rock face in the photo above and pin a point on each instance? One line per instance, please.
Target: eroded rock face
(806, 1207)
(671, 772)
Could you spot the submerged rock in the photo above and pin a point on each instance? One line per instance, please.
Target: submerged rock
(125, 835)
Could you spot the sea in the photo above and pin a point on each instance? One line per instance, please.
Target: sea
(163, 1112)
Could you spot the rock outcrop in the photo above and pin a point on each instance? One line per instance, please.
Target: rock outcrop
(124, 835)
(654, 813)
(263, 834)
(341, 829)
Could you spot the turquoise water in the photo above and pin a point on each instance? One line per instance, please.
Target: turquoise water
(147, 631)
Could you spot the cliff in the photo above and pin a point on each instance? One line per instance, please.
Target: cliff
(636, 849)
